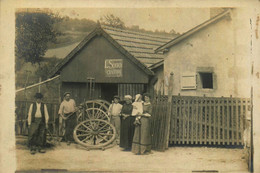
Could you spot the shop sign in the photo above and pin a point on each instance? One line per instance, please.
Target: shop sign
(113, 67)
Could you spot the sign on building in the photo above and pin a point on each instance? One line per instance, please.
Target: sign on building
(113, 67)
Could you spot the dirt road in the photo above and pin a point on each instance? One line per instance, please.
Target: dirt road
(175, 159)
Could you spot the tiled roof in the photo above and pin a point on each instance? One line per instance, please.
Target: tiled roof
(140, 45)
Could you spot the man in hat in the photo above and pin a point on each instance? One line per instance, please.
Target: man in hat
(68, 112)
(114, 113)
(38, 118)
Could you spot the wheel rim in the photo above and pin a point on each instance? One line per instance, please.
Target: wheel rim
(93, 113)
(94, 133)
(97, 104)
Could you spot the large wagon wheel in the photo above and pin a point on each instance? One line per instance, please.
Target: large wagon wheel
(100, 104)
(94, 133)
(93, 113)
(104, 102)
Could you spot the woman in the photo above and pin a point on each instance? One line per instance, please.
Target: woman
(127, 124)
(142, 136)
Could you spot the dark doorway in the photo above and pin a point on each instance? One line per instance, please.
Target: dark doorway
(108, 91)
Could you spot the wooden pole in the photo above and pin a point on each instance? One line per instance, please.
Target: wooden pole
(169, 110)
(39, 89)
(40, 83)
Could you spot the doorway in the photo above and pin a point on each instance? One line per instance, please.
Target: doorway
(108, 91)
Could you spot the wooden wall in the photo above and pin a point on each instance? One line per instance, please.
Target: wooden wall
(90, 62)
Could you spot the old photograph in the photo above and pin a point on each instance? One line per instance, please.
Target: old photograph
(134, 89)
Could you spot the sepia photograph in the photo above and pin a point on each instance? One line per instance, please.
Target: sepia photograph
(134, 89)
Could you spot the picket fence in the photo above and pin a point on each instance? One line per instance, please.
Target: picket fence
(198, 121)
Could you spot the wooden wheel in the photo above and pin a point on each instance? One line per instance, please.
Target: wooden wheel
(93, 113)
(94, 133)
(104, 102)
(100, 104)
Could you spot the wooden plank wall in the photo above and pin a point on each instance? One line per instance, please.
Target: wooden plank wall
(130, 89)
(208, 121)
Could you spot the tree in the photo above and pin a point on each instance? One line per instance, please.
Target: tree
(112, 20)
(33, 31)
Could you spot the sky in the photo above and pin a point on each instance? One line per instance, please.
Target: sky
(179, 19)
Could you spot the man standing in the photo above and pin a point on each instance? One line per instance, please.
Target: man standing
(38, 118)
(68, 112)
(114, 113)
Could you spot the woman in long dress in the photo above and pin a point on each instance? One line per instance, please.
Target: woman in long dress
(142, 136)
(127, 124)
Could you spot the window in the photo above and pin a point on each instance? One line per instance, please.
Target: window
(206, 80)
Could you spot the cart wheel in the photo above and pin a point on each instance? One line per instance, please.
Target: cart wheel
(97, 104)
(93, 113)
(94, 133)
(104, 102)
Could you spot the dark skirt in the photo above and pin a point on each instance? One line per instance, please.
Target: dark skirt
(142, 137)
(127, 132)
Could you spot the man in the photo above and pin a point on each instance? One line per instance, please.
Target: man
(38, 118)
(68, 112)
(114, 113)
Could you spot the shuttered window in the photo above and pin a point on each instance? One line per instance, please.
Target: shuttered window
(188, 81)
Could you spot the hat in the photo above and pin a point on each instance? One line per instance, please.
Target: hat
(38, 96)
(137, 97)
(116, 97)
(66, 94)
(147, 95)
(128, 97)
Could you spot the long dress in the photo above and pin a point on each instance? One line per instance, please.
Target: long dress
(142, 136)
(127, 127)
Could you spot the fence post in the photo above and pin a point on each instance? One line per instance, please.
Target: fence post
(169, 110)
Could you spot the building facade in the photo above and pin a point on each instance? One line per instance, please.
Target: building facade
(210, 59)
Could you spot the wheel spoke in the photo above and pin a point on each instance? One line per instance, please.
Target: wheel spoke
(105, 130)
(85, 131)
(86, 127)
(88, 113)
(104, 126)
(83, 135)
(105, 134)
(87, 138)
(103, 138)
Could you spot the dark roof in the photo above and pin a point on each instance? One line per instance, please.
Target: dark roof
(192, 31)
(138, 47)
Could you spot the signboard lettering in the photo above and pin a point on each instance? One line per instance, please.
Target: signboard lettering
(113, 67)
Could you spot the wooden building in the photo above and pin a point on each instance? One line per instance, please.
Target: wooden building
(110, 62)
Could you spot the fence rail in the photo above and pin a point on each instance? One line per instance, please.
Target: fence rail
(199, 120)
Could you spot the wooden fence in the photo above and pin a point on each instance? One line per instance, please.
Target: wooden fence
(21, 115)
(159, 125)
(198, 120)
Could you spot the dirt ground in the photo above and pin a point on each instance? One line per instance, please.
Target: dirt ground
(175, 159)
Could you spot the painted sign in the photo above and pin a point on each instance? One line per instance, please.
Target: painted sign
(113, 67)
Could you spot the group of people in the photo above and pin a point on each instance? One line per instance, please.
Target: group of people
(130, 118)
(38, 118)
(132, 123)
